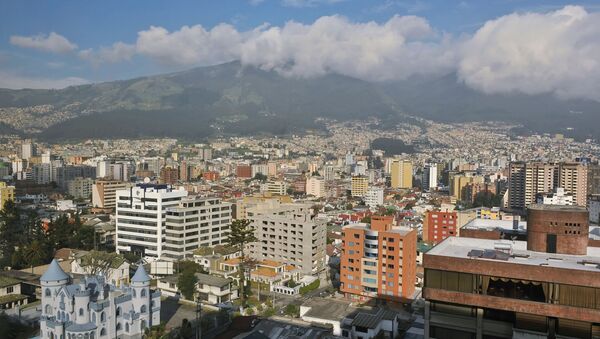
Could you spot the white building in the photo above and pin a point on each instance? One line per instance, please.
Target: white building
(374, 197)
(94, 309)
(141, 218)
(558, 197)
(278, 187)
(594, 208)
(117, 274)
(195, 222)
(259, 168)
(430, 179)
(80, 188)
(211, 289)
(315, 186)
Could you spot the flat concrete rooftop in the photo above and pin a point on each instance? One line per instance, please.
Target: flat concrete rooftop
(457, 247)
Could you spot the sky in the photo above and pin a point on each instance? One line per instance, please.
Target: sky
(494, 46)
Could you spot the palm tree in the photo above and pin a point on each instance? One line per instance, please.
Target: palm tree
(241, 234)
(35, 254)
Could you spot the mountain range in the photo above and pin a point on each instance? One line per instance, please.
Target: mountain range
(232, 99)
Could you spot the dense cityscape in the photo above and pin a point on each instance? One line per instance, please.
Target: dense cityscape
(299, 169)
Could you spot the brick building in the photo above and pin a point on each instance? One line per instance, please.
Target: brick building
(378, 260)
(243, 171)
(439, 225)
(546, 287)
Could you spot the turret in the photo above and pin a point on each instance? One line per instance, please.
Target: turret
(52, 281)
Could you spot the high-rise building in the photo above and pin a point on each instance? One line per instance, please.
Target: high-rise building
(378, 261)
(80, 188)
(259, 168)
(27, 150)
(42, 173)
(278, 187)
(290, 233)
(439, 225)
(374, 196)
(103, 169)
(359, 185)
(545, 287)
(401, 172)
(593, 179)
(141, 218)
(193, 223)
(527, 180)
(104, 192)
(459, 181)
(243, 171)
(329, 172)
(315, 186)
(64, 174)
(205, 153)
(6, 193)
(430, 177)
(169, 175)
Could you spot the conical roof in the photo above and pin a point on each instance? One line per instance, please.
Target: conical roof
(54, 272)
(140, 275)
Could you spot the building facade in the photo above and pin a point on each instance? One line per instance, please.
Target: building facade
(290, 233)
(104, 192)
(315, 186)
(545, 287)
(141, 218)
(6, 193)
(439, 225)
(401, 172)
(359, 186)
(378, 261)
(195, 222)
(94, 309)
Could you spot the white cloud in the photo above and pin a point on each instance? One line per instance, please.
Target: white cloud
(14, 81)
(53, 42)
(556, 52)
(118, 52)
(308, 3)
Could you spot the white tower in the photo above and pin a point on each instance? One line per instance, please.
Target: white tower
(140, 283)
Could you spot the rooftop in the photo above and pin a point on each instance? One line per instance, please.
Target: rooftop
(212, 280)
(558, 208)
(7, 281)
(491, 224)
(395, 229)
(328, 309)
(458, 247)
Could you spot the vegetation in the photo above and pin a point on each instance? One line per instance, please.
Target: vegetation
(292, 310)
(12, 329)
(186, 282)
(241, 234)
(98, 262)
(310, 287)
(188, 265)
(25, 243)
(155, 332)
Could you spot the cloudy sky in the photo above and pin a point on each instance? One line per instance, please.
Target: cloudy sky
(495, 46)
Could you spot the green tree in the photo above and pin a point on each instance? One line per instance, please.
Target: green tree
(187, 284)
(11, 231)
(35, 254)
(188, 265)
(241, 233)
(99, 262)
(292, 310)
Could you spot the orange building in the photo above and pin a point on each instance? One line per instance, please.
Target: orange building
(378, 260)
(211, 175)
(243, 171)
(438, 225)
(169, 175)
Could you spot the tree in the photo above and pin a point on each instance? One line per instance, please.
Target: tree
(241, 234)
(187, 284)
(292, 310)
(188, 265)
(11, 231)
(98, 262)
(35, 253)
(261, 177)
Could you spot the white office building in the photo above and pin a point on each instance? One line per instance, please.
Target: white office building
(430, 179)
(315, 186)
(141, 218)
(195, 222)
(374, 197)
(93, 309)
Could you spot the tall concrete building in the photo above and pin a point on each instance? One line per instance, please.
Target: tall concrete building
(289, 233)
(401, 172)
(104, 192)
(359, 185)
(169, 175)
(80, 188)
(315, 186)
(527, 180)
(439, 225)
(195, 222)
(459, 181)
(374, 196)
(27, 150)
(545, 287)
(429, 180)
(278, 187)
(141, 218)
(378, 261)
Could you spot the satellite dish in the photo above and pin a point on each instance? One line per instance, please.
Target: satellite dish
(146, 180)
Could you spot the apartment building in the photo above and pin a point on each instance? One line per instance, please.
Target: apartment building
(378, 260)
(374, 197)
(289, 233)
(401, 172)
(429, 180)
(278, 187)
(545, 287)
(195, 222)
(439, 225)
(141, 218)
(104, 192)
(80, 188)
(528, 179)
(315, 186)
(359, 185)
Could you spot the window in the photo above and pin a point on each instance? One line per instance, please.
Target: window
(94, 317)
(9, 289)
(48, 293)
(102, 317)
(143, 293)
(143, 309)
(103, 332)
(118, 311)
(126, 327)
(48, 310)
(81, 312)
(118, 326)
(134, 293)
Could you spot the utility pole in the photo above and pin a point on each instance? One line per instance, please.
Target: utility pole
(198, 317)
